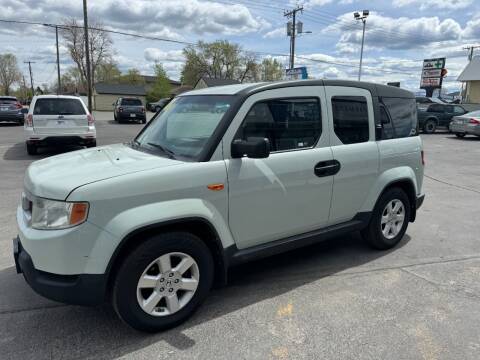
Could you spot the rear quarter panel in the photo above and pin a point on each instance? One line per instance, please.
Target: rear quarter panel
(400, 159)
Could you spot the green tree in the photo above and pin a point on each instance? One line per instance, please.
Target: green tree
(9, 72)
(271, 70)
(219, 59)
(132, 77)
(108, 72)
(161, 88)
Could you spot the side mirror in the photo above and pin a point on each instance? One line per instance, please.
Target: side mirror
(253, 147)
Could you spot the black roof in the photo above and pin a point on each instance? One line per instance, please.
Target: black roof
(218, 82)
(375, 89)
(120, 89)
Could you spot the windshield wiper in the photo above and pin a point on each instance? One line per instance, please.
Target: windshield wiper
(166, 150)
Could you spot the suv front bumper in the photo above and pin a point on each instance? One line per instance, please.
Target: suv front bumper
(85, 289)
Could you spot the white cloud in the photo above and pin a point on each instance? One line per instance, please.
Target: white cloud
(276, 33)
(439, 4)
(154, 54)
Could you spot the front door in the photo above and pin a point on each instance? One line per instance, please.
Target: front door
(287, 193)
(353, 143)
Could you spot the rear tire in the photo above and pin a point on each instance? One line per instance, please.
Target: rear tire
(92, 144)
(134, 304)
(429, 127)
(460, 135)
(32, 149)
(385, 229)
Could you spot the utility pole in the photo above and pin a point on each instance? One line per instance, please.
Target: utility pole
(59, 85)
(292, 32)
(363, 18)
(470, 50)
(87, 55)
(58, 56)
(31, 77)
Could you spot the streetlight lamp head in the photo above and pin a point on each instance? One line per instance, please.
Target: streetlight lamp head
(356, 15)
(366, 12)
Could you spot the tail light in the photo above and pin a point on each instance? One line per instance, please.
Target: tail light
(29, 120)
(120, 109)
(474, 121)
(91, 119)
(18, 105)
(423, 158)
(143, 109)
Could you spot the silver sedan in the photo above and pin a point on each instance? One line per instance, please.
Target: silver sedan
(465, 124)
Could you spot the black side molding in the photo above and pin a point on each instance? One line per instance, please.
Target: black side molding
(236, 256)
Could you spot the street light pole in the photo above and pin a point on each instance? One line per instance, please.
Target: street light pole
(363, 18)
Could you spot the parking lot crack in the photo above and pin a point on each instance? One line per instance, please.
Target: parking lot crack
(451, 184)
(457, 290)
(34, 308)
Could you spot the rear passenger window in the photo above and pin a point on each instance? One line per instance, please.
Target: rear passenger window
(55, 106)
(387, 127)
(350, 118)
(287, 123)
(403, 113)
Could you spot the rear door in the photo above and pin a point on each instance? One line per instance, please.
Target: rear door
(352, 134)
(60, 116)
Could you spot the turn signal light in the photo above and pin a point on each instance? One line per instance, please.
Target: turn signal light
(79, 213)
(216, 187)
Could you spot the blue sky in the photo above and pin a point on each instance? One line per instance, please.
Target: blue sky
(399, 34)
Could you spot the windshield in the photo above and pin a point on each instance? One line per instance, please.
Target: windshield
(183, 128)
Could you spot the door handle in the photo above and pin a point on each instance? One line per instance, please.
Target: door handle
(327, 168)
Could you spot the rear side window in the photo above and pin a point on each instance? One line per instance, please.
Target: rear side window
(436, 108)
(131, 102)
(350, 119)
(458, 110)
(58, 107)
(387, 127)
(287, 123)
(403, 114)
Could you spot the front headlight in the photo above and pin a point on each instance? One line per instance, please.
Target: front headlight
(51, 214)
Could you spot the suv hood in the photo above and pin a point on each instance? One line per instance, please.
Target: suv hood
(57, 176)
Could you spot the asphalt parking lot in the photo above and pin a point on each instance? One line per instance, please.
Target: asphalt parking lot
(336, 300)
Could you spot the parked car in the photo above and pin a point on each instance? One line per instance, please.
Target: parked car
(153, 223)
(58, 120)
(466, 124)
(159, 105)
(129, 109)
(11, 110)
(438, 115)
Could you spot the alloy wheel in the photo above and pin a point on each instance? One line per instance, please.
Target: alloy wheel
(168, 284)
(393, 217)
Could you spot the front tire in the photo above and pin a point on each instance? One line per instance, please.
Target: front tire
(460, 135)
(389, 220)
(430, 127)
(163, 281)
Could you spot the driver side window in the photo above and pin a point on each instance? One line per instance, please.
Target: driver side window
(288, 124)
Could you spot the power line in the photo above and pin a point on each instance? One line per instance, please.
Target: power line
(148, 37)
